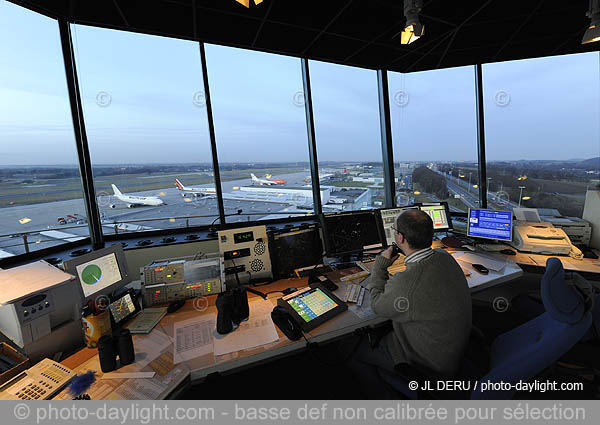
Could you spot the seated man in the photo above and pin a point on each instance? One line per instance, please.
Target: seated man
(429, 303)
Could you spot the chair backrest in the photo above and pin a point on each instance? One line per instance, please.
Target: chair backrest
(563, 303)
(525, 351)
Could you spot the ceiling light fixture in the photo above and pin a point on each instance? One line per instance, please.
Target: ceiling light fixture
(247, 2)
(413, 30)
(592, 34)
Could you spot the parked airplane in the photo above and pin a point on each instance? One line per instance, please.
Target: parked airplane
(133, 201)
(266, 182)
(194, 191)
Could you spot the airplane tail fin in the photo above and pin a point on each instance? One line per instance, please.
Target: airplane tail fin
(253, 177)
(179, 185)
(115, 190)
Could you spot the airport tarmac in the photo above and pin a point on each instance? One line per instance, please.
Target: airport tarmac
(42, 219)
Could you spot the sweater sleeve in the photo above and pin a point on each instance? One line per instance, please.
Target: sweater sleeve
(389, 297)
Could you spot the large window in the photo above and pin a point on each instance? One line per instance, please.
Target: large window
(542, 122)
(147, 127)
(434, 130)
(260, 129)
(346, 114)
(41, 201)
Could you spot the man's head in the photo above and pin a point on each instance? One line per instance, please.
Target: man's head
(414, 230)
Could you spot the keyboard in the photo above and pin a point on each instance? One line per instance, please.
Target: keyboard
(492, 247)
(355, 294)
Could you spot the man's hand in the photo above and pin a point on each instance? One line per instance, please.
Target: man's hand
(388, 254)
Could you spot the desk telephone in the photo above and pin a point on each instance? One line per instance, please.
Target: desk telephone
(40, 382)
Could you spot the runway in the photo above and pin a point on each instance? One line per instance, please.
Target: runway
(177, 213)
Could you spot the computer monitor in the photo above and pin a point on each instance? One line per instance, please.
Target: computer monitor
(100, 272)
(294, 248)
(388, 220)
(351, 232)
(490, 224)
(440, 215)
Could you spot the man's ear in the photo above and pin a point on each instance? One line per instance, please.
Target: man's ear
(400, 238)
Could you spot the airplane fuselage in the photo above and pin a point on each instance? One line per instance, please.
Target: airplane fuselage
(140, 200)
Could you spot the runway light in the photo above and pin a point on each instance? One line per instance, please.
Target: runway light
(172, 220)
(417, 192)
(413, 29)
(592, 34)
(24, 220)
(475, 186)
(526, 198)
(236, 188)
(162, 194)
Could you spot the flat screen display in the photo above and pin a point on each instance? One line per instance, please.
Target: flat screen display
(351, 232)
(490, 224)
(122, 308)
(438, 216)
(312, 304)
(388, 218)
(98, 274)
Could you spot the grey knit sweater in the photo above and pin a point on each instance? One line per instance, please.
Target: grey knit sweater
(430, 308)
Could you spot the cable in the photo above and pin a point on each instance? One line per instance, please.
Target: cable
(237, 277)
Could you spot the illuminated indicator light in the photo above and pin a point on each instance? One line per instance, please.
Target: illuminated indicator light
(168, 275)
(157, 292)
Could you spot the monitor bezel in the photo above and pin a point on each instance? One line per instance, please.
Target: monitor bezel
(314, 227)
(326, 243)
(317, 321)
(70, 266)
(486, 237)
(446, 209)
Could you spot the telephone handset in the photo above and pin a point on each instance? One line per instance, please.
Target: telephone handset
(39, 382)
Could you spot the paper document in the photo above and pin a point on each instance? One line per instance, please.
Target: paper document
(363, 311)
(148, 347)
(256, 331)
(138, 389)
(193, 338)
(130, 375)
(530, 215)
(259, 306)
(471, 258)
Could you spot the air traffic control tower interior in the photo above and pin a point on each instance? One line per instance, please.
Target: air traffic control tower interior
(201, 198)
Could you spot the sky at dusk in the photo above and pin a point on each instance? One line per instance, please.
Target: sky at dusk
(144, 103)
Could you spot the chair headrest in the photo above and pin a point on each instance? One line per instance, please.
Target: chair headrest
(562, 302)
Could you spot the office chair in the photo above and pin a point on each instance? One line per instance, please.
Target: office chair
(524, 352)
(520, 353)
(474, 365)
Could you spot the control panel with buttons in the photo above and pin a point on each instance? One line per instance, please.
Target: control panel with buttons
(164, 272)
(33, 307)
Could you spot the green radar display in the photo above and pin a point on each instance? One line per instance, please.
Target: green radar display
(91, 274)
